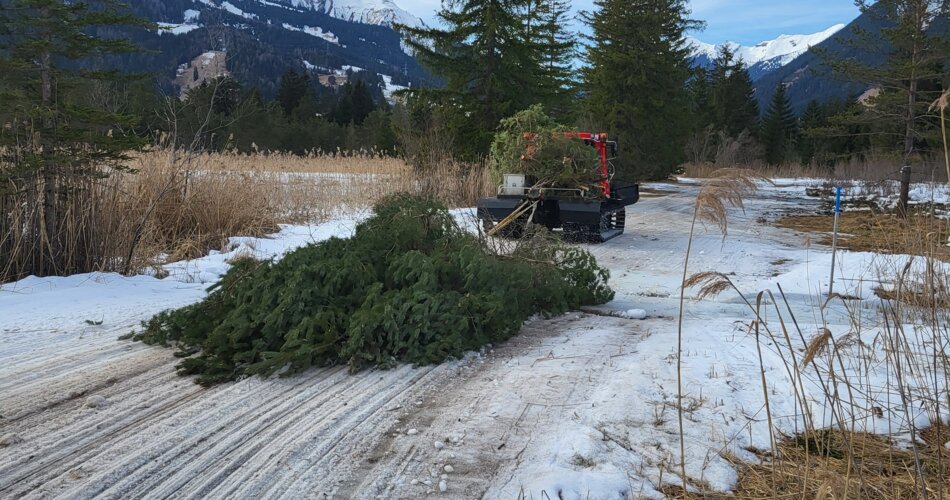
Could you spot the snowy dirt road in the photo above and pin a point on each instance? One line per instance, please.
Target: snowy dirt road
(579, 406)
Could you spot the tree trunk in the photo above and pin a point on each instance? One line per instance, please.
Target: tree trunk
(49, 250)
(920, 27)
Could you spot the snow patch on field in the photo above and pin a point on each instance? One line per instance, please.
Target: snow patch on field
(58, 304)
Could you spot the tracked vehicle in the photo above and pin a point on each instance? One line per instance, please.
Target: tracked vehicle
(583, 214)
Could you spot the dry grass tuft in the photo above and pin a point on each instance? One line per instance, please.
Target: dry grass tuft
(873, 231)
(818, 465)
(925, 294)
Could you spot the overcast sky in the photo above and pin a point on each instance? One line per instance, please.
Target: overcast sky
(742, 21)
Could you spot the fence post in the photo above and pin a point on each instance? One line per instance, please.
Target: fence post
(904, 202)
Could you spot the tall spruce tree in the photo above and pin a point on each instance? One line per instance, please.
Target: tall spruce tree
(354, 104)
(734, 106)
(811, 120)
(487, 63)
(548, 22)
(779, 128)
(636, 79)
(293, 88)
(54, 140)
(914, 45)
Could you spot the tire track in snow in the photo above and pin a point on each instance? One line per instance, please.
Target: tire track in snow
(497, 407)
(162, 436)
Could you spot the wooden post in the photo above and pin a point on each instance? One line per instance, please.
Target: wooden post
(904, 202)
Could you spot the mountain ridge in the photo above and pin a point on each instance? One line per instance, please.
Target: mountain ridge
(763, 57)
(262, 39)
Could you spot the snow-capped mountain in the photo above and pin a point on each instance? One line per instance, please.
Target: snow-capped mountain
(766, 56)
(382, 12)
(259, 40)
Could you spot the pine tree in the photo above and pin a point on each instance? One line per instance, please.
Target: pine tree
(362, 102)
(636, 79)
(913, 44)
(734, 106)
(779, 128)
(354, 104)
(342, 112)
(486, 62)
(811, 120)
(55, 141)
(705, 136)
(293, 87)
(556, 50)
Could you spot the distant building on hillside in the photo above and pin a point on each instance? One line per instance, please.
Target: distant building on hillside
(333, 80)
(207, 66)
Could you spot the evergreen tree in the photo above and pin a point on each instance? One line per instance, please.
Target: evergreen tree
(556, 50)
(378, 130)
(208, 112)
(362, 102)
(636, 79)
(779, 128)
(307, 109)
(55, 141)
(701, 92)
(293, 88)
(486, 63)
(702, 142)
(914, 45)
(812, 119)
(342, 112)
(734, 107)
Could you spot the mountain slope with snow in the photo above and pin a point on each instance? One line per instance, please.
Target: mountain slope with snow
(263, 39)
(766, 56)
(381, 12)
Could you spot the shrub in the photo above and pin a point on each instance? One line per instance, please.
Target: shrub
(409, 286)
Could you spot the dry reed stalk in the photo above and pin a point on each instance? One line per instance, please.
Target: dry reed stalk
(806, 470)
(941, 103)
(181, 205)
(723, 189)
(816, 346)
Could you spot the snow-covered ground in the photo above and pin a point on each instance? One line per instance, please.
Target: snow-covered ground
(576, 407)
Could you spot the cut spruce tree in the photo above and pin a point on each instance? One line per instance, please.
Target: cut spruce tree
(409, 286)
(534, 144)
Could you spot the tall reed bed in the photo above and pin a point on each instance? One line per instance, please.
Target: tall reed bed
(870, 382)
(174, 205)
(873, 169)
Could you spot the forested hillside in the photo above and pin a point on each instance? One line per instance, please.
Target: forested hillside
(262, 41)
